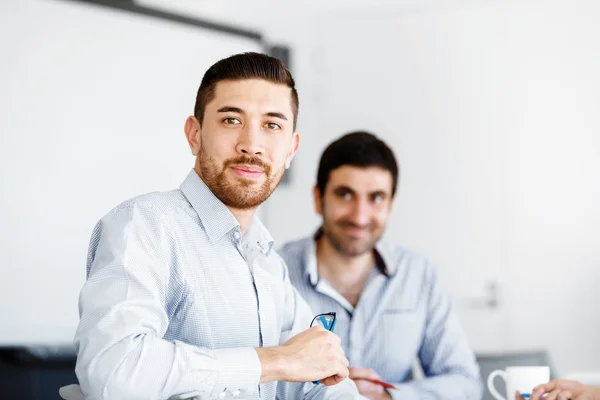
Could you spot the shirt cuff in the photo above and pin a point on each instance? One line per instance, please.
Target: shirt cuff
(238, 369)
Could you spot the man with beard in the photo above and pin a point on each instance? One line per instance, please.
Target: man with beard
(185, 295)
(390, 309)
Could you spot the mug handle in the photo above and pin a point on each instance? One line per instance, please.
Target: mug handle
(490, 383)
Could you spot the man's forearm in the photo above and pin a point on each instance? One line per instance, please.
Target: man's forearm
(145, 367)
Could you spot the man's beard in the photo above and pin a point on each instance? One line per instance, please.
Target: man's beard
(347, 246)
(238, 193)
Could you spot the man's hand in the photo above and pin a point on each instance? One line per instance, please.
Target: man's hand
(563, 390)
(315, 354)
(372, 391)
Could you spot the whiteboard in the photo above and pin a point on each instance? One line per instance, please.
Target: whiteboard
(93, 102)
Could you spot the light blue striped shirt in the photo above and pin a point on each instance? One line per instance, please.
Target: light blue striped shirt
(176, 300)
(398, 318)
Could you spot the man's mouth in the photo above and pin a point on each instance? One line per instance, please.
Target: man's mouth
(248, 171)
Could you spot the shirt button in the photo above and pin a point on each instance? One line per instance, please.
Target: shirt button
(236, 235)
(236, 393)
(222, 395)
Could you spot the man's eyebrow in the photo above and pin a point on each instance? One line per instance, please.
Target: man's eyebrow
(231, 109)
(344, 189)
(276, 115)
(378, 193)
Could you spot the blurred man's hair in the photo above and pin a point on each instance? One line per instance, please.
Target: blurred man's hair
(358, 149)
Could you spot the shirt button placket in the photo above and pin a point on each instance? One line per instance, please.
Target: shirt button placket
(354, 355)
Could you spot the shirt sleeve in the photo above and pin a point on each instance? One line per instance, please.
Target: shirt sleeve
(447, 360)
(121, 352)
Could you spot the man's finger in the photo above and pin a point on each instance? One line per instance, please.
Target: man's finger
(553, 395)
(341, 370)
(540, 390)
(332, 380)
(365, 386)
(565, 395)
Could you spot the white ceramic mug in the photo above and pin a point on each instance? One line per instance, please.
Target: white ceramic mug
(523, 379)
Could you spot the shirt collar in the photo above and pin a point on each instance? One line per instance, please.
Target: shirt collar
(383, 256)
(310, 261)
(257, 234)
(216, 218)
(383, 259)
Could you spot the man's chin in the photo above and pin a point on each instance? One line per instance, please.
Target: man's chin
(245, 183)
(354, 249)
(244, 193)
(244, 200)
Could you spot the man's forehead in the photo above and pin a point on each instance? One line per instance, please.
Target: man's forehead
(253, 95)
(361, 179)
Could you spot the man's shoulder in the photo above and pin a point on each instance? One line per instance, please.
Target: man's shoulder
(294, 250)
(404, 261)
(149, 205)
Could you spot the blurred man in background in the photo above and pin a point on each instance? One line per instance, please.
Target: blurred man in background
(390, 308)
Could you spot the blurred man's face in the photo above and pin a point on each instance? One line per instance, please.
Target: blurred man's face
(355, 208)
(246, 141)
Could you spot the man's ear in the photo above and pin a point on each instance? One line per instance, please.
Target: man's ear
(295, 145)
(192, 131)
(318, 200)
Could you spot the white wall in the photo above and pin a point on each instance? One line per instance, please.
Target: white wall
(492, 110)
(555, 174)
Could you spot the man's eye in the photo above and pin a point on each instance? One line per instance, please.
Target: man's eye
(231, 121)
(272, 126)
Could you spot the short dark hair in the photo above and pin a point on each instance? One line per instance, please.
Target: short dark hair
(244, 66)
(358, 149)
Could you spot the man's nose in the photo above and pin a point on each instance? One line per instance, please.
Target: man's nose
(361, 213)
(249, 140)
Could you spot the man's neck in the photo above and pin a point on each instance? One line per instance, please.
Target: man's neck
(347, 274)
(244, 217)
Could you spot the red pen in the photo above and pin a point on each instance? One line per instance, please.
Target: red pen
(382, 383)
